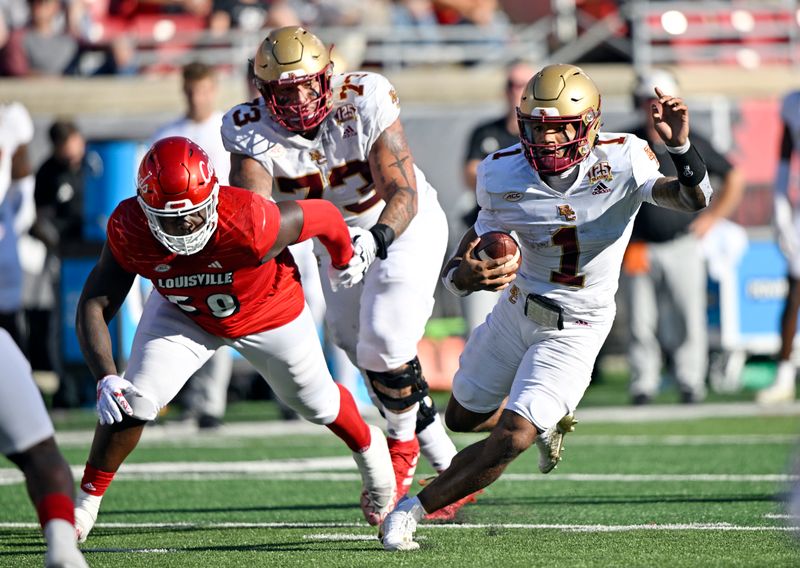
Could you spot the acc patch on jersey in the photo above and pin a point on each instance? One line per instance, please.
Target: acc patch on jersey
(512, 196)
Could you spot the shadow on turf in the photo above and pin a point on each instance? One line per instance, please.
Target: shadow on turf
(299, 546)
(228, 509)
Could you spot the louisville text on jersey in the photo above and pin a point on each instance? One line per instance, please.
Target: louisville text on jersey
(193, 280)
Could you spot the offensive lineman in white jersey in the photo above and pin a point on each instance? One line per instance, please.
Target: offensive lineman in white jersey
(314, 134)
(27, 439)
(571, 194)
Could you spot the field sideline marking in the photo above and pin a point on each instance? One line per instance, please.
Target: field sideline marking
(425, 527)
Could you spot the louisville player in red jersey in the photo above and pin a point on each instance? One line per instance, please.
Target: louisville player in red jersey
(217, 260)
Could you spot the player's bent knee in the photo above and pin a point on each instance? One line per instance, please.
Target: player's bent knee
(426, 414)
(400, 389)
(508, 445)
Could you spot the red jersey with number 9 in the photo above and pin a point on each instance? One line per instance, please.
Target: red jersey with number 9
(225, 288)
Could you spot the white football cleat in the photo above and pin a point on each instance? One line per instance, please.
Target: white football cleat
(397, 530)
(62, 549)
(551, 443)
(75, 561)
(377, 474)
(86, 509)
(783, 389)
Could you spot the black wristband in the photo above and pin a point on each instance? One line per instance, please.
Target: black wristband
(690, 165)
(384, 236)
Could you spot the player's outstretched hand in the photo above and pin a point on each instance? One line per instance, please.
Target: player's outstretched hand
(671, 119)
(111, 401)
(474, 274)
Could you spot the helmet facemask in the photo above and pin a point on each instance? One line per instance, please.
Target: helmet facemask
(299, 116)
(165, 223)
(555, 157)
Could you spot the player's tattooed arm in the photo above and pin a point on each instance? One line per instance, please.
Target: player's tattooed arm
(103, 294)
(392, 167)
(669, 192)
(249, 174)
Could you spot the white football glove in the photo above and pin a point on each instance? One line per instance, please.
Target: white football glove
(364, 252)
(111, 391)
(364, 244)
(348, 276)
(788, 239)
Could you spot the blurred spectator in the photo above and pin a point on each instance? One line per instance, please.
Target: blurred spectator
(16, 210)
(120, 58)
(419, 14)
(42, 47)
(206, 394)
(664, 271)
(250, 15)
(787, 225)
(485, 139)
(15, 13)
(130, 8)
(59, 225)
(476, 12)
(322, 13)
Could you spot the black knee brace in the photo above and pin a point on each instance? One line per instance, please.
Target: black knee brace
(426, 413)
(387, 385)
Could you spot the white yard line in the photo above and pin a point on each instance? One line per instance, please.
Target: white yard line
(692, 440)
(235, 438)
(426, 527)
(343, 469)
(172, 432)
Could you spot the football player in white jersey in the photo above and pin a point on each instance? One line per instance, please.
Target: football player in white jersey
(27, 439)
(787, 225)
(571, 194)
(314, 134)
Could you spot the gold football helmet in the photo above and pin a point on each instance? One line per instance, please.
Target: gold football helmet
(556, 96)
(291, 57)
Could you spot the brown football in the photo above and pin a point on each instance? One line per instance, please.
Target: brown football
(496, 244)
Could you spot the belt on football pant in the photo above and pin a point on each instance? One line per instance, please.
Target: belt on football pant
(544, 311)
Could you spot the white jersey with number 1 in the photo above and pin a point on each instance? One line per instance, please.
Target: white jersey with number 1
(572, 241)
(572, 245)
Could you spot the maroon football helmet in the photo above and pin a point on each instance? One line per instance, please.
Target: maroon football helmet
(176, 179)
